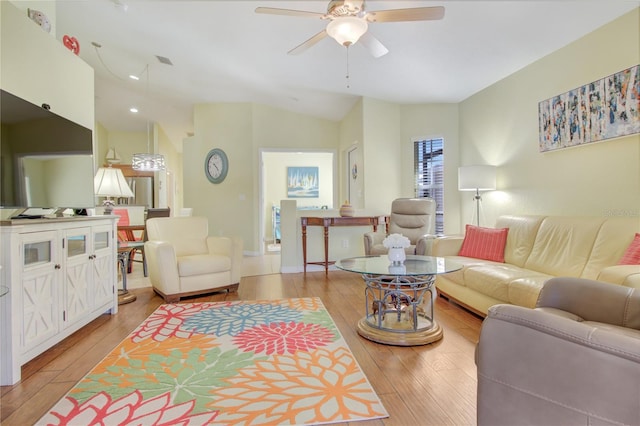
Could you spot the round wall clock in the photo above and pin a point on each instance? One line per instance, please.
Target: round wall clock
(216, 165)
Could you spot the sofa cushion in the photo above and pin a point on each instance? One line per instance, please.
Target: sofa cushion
(522, 235)
(493, 278)
(525, 291)
(619, 274)
(201, 264)
(188, 235)
(484, 243)
(504, 282)
(614, 236)
(632, 255)
(466, 262)
(563, 245)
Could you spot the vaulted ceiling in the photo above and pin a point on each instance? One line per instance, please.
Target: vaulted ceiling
(222, 51)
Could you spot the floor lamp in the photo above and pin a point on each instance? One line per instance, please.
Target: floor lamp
(477, 178)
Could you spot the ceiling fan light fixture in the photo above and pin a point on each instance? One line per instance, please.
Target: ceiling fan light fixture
(347, 30)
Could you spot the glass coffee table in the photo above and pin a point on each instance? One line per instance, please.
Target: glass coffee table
(399, 297)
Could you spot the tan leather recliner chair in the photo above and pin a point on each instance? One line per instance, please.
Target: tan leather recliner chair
(573, 360)
(415, 218)
(183, 260)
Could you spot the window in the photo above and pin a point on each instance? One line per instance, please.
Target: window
(428, 158)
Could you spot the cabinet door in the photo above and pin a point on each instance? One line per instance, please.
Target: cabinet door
(40, 287)
(77, 274)
(102, 285)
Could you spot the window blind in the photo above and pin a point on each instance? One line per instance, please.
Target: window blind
(428, 160)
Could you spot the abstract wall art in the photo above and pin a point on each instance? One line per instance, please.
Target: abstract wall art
(604, 109)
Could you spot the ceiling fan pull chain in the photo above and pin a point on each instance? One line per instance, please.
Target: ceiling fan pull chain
(348, 85)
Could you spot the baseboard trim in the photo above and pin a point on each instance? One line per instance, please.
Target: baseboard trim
(290, 269)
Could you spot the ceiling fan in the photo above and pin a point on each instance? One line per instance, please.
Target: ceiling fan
(349, 21)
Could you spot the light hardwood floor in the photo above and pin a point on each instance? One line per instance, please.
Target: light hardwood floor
(422, 385)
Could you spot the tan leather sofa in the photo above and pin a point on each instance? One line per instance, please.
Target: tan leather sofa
(573, 360)
(183, 260)
(539, 248)
(415, 218)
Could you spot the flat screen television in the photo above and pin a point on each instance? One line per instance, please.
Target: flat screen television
(46, 161)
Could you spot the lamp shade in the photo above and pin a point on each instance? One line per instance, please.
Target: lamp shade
(472, 178)
(346, 30)
(110, 182)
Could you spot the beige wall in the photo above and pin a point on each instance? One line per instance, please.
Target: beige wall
(382, 155)
(499, 126)
(100, 138)
(229, 205)
(351, 135)
(241, 130)
(127, 144)
(421, 122)
(171, 180)
(38, 68)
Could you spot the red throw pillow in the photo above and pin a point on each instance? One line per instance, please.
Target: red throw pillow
(632, 254)
(484, 243)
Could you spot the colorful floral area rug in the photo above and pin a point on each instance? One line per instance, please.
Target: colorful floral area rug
(277, 362)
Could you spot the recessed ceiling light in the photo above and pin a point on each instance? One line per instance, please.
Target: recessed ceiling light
(133, 109)
(134, 77)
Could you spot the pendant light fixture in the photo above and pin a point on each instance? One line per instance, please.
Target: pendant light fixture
(148, 161)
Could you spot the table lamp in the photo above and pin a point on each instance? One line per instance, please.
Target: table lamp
(110, 182)
(477, 178)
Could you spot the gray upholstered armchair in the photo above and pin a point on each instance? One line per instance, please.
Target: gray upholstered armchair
(573, 360)
(415, 218)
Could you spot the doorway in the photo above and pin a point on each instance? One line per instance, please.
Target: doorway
(275, 164)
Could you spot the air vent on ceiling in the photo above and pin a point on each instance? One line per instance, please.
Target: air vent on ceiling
(164, 60)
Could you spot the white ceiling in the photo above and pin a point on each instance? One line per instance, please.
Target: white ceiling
(222, 51)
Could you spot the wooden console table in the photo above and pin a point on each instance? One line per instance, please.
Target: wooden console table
(327, 222)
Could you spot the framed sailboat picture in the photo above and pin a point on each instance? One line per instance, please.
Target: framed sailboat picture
(302, 182)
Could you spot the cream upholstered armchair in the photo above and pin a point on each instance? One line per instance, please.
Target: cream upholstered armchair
(183, 260)
(573, 360)
(415, 218)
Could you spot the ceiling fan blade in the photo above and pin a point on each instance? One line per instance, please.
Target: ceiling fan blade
(290, 12)
(307, 44)
(400, 15)
(374, 46)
